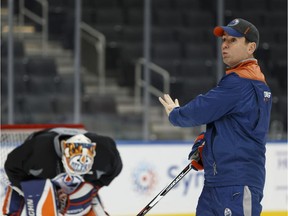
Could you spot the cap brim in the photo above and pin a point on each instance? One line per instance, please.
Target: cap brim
(219, 31)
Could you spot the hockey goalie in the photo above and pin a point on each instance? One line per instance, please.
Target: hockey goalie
(57, 172)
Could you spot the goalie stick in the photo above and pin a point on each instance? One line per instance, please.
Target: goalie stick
(162, 193)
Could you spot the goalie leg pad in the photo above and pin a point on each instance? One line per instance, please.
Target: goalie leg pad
(39, 197)
(13, 203)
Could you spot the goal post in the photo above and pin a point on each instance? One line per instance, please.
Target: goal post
(13, 136)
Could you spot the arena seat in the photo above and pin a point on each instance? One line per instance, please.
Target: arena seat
(99, 104)
(41, 67)
(162, 35)
(277, 5)
(186, 5)
(192, 35)
(19, 67)
(169, 51)
(18, 48)
(109, 16)
(255, 5)
(168, 17)
(134, 17)
(198, 69)
(199, 51)
(276, 19)
(194, 19)
(132, 4)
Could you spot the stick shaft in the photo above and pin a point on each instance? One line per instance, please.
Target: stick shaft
(162, 193)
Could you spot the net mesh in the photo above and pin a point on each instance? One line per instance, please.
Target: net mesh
(13, 136)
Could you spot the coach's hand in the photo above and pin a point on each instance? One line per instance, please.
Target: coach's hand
(168, 103)
(196, 153)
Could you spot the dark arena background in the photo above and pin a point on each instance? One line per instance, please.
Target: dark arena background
(104, 63)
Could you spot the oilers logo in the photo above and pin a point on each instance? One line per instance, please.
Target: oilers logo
(68, 183)
(233, 22)
(144, 178)
(267, 96)
(227, 212)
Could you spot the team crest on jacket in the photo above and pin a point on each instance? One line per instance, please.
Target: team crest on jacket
(267, 96)
(227, 212)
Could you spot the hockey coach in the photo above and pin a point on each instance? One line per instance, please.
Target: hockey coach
(59, 171)
(236, 114)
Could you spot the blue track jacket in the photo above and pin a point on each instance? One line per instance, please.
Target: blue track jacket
(237, 116)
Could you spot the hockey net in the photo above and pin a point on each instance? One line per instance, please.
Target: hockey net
(14, 135)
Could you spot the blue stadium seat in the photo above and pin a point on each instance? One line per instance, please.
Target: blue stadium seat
(99, 104)
(18, 48)
(161, 4)
(168, 17)
(132, 34)
(278, 5)
(110, 16)
(42, 67)
(278, 52)
(199, 51)
(132, 50)
(276, 19)
(102, 3)
(134, 17)
(198, 69)
(192, 35)
(162, 35)
(186, 5)
(132, 4)
(171, 51)
(19, 67)
(195, 19)
(248, 5)
(173, 67)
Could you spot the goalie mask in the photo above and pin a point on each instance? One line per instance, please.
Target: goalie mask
(78, 154)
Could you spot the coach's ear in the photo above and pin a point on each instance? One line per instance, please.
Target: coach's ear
(251, 47)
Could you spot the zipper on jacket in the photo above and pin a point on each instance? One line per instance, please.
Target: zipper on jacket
(212, 152)
(214, 168)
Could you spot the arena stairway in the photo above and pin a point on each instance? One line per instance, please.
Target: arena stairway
(127, 122)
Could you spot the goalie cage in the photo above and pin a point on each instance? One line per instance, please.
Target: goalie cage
(13, 136)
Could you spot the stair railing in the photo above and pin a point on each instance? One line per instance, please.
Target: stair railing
(140, 83)
(98, 40)
(43, 21)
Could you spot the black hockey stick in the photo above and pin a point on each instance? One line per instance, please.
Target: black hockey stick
(159, 196)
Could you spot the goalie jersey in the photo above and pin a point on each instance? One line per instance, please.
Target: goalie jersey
(40, 157)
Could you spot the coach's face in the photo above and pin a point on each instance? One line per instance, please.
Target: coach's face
(236, 49)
